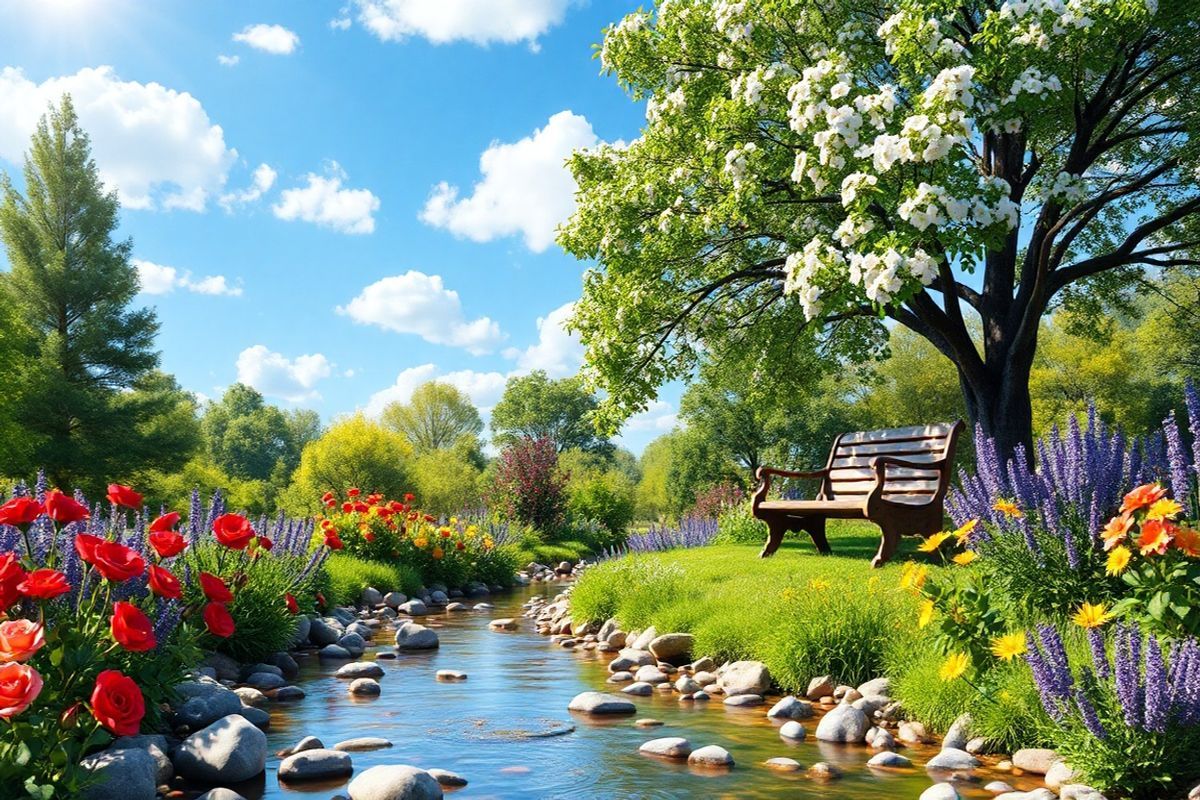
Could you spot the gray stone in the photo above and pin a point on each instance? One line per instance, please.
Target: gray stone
(844, 723)
(880, 687)
(224, 667)
(453, 607)
(791, 707)
(322, 633)
(1060, 774)
(600, 704)
(1037, 760)
(439, 598)
(203, 702)
(220, 794)
(746, 677)
(353, 643)
(744, 700)
(411, 636)
(959, 733)
(362, 744)
(265, 680)
(667, 747)
(793, 730)
(823, 771)
(394, 599)
(251, 696)
(940, 791)
(951, 758)
(303, 629)
(364, 687)
(998, 787)
(451, 675)
(286, 664)
(228, 751)
(503, 624)
(1079, 791)
(395, 782)
(447, 778)
(883, 740)
(121, 774)
(711, 756)
(315, 765)
(359, 669)
(258, 717)
(782, 764)
(650, 674)
(414, 608)
(255, 668)
(371, 597)
(335, 652)
(639, 689)
(289, 693)
(307, 743)
(820, 687)
(156, 745)
(911, 733)
(686, 685)
(889, 759)
(673, 648)
(628, 660)
(620, 677)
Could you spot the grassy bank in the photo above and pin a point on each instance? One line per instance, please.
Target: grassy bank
(800, 613)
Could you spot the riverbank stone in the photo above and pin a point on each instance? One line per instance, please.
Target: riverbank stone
(820, 687)
(940, 791)
(1037, 760)
(445, 777)
(711, 756)
(889, 759)
(793, 730)
(504, 624)
(783, 764)
(791, 707)
(599, 703)
(667, 747)
(951, 758)
(745, 677)
(414, 608)
(228, 751)
(844, 723)
(365, 687)
(362, 744)
(411, 636)
(628, 660)
(744, 700)
(126, 773)
(289, 693)
(673, 648)
(203, 702)
(315, 765)
(639, 689)
(220, 793)
(359, 669)
(451, 675)
(335, 652)
(395, 782)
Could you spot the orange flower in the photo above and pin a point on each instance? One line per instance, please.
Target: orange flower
(1142, 496)
(1116, 530)
(1188, 541)
(1155, 537)
(437, 553)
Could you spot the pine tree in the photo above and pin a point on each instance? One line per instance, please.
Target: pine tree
(71, 285)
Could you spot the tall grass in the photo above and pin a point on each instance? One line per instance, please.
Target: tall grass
(346, 576)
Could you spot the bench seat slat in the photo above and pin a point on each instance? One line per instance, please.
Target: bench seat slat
(892, 448)
(865, 461)
(939, 430)
(867, 474)
(839, 488)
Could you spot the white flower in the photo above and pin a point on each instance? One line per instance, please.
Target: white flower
(839, 90)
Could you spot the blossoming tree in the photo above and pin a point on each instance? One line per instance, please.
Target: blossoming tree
(958, 166)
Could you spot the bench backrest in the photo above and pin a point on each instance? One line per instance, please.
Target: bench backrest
(850, 476)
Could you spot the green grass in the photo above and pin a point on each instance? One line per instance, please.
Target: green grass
(800, 613)
(346, 576)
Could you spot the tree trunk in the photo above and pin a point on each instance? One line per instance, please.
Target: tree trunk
(1000, 405)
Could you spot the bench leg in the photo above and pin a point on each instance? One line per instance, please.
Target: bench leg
(776, 528)
(889, 542)
(815, 528)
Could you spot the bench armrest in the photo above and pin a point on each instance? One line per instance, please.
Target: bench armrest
(879, 465)
(894, 461)
(764, 476)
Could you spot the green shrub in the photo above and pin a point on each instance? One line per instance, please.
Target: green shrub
(607, 498)
(737, 525)
(345, 577)
(497, 566)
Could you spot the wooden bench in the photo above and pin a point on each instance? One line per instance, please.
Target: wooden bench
(896, 478)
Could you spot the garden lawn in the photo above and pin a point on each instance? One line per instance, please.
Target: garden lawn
(802, 614)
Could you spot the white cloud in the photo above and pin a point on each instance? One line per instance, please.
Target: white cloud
(264, 179)
(526, 187)
(274, 39)
(418, 303)
(324, 202)
(155, 145)
(228, 61)
(477, 21)
(161, 279)
(484, 388)
(659, 416)
(275, 375)
(557, 352)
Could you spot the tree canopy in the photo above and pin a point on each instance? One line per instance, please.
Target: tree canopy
(535, 406)
(435, 417)
(250, 439)
(808, 167)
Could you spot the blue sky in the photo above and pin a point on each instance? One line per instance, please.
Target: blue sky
(336, 201)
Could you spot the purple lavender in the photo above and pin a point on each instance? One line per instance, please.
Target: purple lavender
(1191, 400)
(691, 532)
(1087, 712)
(1177, 461)
(1157, 691)
(1099, 656)
(1045, 678)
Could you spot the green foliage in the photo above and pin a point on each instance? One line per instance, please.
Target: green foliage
(534, 406)
(174, 489)
(598, 491)
(738, 525)
(345, 576)
(446, 482)
(250, 439)
(435, 417)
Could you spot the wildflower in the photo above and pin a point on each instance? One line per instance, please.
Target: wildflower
(963, 533)
(421, 542)
(1166, 508)
(1118, 560)
(1145, 495)
(1008, 508)
(913, 576)
(437, 553)
(954, 667)
(1116, 530)
(1009, 646)
(818, 585)
(926, 615)
(1187, 540)
(965, 557)
(120, 495)
(932, 543)
(789, 593)
(1091, 615)
(1156, 536)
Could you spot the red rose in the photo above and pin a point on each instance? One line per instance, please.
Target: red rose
(11, 576)
(167, 543)
(292, 606)
(265, 543)
(165, 523)
(408, 498)
(132, 629)
(215, 588)
(44, 584)
(233, 531)
(120, 495)
(164, 584)
(85, 545)
(353, 492)
(218, 620)
(20, 511)
(117, 703)
(347, 508)
(20, 684)
(116, 562)
(333, 541)
(63, 509)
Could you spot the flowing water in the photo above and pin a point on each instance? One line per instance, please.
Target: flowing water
(507, 729)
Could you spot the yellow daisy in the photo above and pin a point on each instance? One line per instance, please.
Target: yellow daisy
(1091, 616)
(1009, 646)
(818, 585)
(913, 576)
(1165, 508)
(934, 542)
(926, 615)
(963, 533)
(954, 667)
(965, 557)
(1118, 560)
(1007, 507)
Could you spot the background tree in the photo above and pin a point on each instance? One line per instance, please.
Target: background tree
(936, 163)
(250, 439)
(434, 418)
(445, 483)
(535, 407)
(528, 486)
(70, 286)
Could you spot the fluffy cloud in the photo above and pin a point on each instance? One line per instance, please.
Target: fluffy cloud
(275, 375)
(161, 279)
(274, 39)
(228, 61)
(557, 352)
(324, 202)
(155, 145)
(484, 388)
(264, 179)
(418, 303)
(526, 188)
(476, 21)
(659, 416)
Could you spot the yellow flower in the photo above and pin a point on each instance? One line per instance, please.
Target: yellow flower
(818, 585)
(420, 542)
(934, 542)
(913, 576)
(1165, 508)
(1118, 560)
(1007, 507)
(926, 615)
(963, 533)
(1091, 616)
(965, 557)
(454, 520)
(954, 667)
(1009, 646)
(789, 594)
